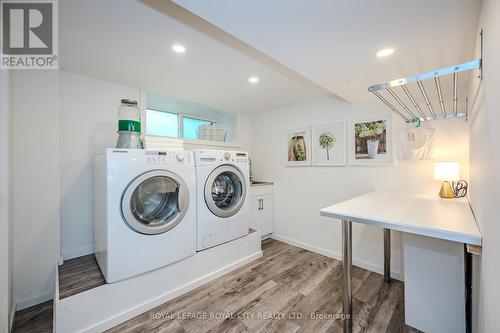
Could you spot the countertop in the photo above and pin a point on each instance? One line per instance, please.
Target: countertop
(259, 183)
(432, 216)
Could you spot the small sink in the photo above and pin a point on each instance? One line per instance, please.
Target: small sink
(256, 182)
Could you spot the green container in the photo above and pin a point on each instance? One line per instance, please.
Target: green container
(129, 125)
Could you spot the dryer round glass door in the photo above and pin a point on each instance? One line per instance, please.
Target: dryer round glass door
(225, 191)
(155, 202)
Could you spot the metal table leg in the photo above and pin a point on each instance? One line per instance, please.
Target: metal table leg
(468, 290)
(347, 273)
(387, 255)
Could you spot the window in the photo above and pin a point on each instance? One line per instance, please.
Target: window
(162, 123)
(190, 126)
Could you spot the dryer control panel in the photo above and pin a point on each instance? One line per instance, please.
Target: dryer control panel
(204, 157)
(239, 157)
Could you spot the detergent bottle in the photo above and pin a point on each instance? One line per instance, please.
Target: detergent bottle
(129, 125)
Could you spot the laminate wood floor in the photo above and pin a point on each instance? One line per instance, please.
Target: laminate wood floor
(78, 275)
(35, 319)
(287, 290)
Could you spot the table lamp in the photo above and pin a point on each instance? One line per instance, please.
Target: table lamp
(447, 172)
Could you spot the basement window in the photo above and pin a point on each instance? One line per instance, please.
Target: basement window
(171, 124)
(162, 123)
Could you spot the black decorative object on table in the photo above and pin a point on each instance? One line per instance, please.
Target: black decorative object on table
(460, 189)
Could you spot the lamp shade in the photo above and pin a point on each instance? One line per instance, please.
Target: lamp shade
(446, 171)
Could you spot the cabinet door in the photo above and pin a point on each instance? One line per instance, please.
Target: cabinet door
(266, 217)
(255, 213)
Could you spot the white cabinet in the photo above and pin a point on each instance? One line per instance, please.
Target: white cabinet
(261, 209)
(434, 284)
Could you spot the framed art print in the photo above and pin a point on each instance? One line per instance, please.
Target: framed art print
(297, 149)
(329, 144)
(370, 140)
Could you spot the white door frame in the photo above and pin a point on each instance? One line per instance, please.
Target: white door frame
(5, 288)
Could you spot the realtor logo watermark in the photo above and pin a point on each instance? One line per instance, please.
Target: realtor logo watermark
(29, 34)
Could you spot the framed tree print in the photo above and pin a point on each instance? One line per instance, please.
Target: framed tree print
(297, 150)
(329, 144)
(370, 140)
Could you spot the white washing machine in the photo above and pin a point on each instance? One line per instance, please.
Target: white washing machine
(145, 210)
(222, 181)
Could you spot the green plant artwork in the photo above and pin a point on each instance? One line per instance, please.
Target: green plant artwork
(298, 150)
(371, 130)
(326, 141)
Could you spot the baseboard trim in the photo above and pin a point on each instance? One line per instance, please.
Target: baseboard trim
(33, 301)
(268, 236)
(152, 303)
(11, 317)
(328, 253)
(78, 252)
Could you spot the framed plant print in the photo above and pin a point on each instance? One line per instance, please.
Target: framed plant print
(370, 140)
(298, 147)
(329, 144)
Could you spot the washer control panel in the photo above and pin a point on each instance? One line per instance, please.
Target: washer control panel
(140, 158)
(160, 158)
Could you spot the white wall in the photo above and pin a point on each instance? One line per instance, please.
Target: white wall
(244, 125)
(484, 173)
(35, 183)
(300, 192)
(5, 218)
(88, 124)
(166, 103)
(51, 170)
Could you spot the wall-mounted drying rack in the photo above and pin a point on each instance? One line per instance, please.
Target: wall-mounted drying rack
(416, 83)
(406, 113)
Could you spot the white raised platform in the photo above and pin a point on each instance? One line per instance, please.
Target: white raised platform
(106, 306)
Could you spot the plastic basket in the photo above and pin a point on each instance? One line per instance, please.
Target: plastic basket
(212, 132)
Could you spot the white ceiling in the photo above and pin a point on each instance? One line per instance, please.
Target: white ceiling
(129, 42)
(333, 43)
(299, 49)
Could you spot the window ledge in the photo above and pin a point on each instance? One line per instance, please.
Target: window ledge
(206, 143)
(168, 142)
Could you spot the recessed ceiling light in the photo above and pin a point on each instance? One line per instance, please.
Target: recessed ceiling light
(253, 79)
(385, 52)
(179, 48)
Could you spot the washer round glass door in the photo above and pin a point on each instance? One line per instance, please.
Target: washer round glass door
(155, 202)
(225, 191)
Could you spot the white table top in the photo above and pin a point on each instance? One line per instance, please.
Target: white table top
(449, 219)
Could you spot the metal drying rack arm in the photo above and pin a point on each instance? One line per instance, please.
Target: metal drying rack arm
(404, 83)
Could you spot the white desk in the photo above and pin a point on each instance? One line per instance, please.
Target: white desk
(446, 219)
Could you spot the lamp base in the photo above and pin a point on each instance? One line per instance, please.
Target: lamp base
(446, 191)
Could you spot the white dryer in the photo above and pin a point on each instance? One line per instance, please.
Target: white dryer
(145, 210)
(222, 181)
